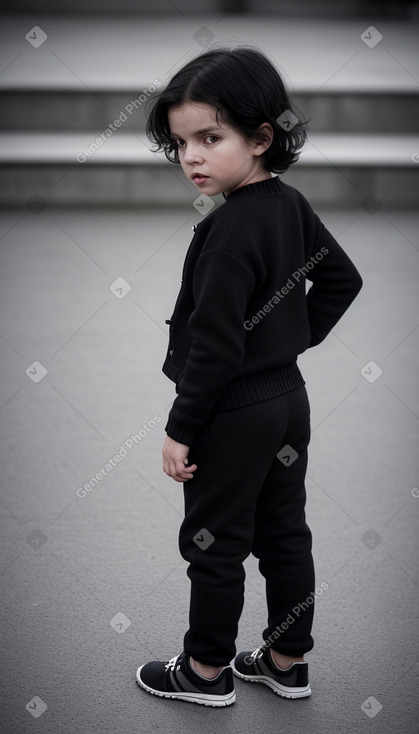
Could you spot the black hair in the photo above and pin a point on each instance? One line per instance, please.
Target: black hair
(246, 90)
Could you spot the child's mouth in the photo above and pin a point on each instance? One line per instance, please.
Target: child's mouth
(198, 179)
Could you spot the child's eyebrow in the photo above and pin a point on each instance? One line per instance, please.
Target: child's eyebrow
(199, 132)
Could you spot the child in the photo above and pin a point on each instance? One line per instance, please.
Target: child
(238, 430)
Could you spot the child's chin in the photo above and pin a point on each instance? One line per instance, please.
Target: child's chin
(211, 191)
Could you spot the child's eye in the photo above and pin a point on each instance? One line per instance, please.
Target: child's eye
(211, 138)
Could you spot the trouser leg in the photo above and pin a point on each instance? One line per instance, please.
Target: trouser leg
(234, 461)
(283, 542)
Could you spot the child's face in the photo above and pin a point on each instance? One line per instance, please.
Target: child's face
(224, 157)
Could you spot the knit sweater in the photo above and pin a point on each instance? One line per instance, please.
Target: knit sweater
(243, 315)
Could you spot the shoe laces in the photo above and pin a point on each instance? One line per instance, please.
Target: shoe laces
(257, 653)
(172, 663)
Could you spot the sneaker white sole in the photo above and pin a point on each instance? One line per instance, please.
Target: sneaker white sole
(280, 690)
(204, 699)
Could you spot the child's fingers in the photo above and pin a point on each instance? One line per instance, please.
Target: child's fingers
(188, 473)
(183, 473)
(175, 461)
(178, 472)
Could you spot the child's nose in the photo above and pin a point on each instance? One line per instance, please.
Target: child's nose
(192, 154)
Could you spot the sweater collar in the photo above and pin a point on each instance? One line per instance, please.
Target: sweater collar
(260, 188)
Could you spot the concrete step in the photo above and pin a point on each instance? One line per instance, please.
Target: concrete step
(382, 9)
(103, 54)
(133, 149)
(83, 168)
(65, 84)
(335, 111)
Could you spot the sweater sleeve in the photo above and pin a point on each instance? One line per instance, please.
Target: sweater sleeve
(336, 283)
(222, 285)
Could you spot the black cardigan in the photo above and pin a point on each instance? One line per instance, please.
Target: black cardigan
(242, 315)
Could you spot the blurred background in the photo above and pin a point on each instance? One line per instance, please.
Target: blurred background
(62, 87)
(94, 228)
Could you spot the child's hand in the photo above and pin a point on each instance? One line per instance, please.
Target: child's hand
(175, 461)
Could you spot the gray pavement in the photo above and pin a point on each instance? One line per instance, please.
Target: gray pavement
(93, 585)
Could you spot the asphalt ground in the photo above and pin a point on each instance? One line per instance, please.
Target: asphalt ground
(91, 581)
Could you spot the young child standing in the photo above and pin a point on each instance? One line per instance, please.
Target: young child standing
(239, 428)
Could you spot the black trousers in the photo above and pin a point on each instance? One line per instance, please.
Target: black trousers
(244, 499)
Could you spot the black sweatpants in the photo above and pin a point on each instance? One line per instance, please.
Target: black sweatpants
(244, 499)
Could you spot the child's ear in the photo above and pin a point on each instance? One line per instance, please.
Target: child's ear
(263, 138)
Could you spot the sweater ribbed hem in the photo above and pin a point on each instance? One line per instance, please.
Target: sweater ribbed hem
(249, 389)
(241, 391)
(253, 388)
(179, 433)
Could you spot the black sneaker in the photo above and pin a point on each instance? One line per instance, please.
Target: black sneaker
(258, 667)
(176, 679)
